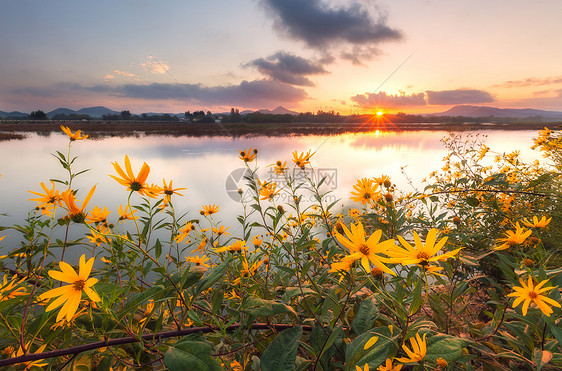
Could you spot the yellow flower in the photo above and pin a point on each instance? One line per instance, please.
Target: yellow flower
(30, 364)
(268, 191)
(237, 246)
(302, 159)
(221, 231)
(125, 214)
(133, 184)
(209, 209)
(198, 260)
(279, 167)
(73, 136)
(422, 255)
(10, 290)
(51, 197)
(169, 191)
(366, 368)
(257, 241)
(513, 238)
(75, 213)
(366, 249)
(98, 215)
(184, 231)
(71, 295)
(418, 350)
(365, 191)
(388, 366)
(383, 180)
(530, 293)
(442, 363)
(98, 237)
(248, 155)
(536, 223)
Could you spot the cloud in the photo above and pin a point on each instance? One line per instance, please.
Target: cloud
(531, 81)
(288, 68)
(154, 66)
(255, 93)
(458, 96)
(321, 25)
(124, 73)
(382, 99)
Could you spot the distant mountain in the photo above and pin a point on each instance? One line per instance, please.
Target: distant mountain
(279, 111)
(13, 114)
(98, 111)
(60, 111)
(483, 111)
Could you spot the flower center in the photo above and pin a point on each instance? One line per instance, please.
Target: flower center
(367, 196)
(136, 186)
(79, 285)
(364, 249)
(423, 255)
(533, 295)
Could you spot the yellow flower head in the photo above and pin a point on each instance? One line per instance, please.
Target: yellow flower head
(366, 250)
(257, 241)
(169, 191)
(248, 155)
(126, 214)
(73, 136)
(238, 246)
(268, 190)
(279, 167)
(202, 261)
(365, 191)
(302, 159)
(51, 197)
(12, 289)
(98, 215)
(536, 223)
(129, 180)
(221, 231)
(75, 213)
(530, 293)
(69, 296)
(418, 351)
(422, 255)
(209, 209)
(513, 238)
(389, 367)
(184, 231)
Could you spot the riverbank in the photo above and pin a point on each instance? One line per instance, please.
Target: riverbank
(16, 130)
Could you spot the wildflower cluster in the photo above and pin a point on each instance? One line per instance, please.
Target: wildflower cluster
(462, 275)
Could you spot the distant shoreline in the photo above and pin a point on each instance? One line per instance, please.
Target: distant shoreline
(100, 129)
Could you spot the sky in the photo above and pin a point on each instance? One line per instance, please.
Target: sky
(349, 56)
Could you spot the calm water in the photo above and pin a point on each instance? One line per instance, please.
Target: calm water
(203, 165)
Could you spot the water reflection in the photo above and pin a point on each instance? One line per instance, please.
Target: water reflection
(203, 165)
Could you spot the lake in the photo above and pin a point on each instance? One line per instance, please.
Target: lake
(209, 166)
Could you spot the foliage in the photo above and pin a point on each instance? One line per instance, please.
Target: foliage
(428, 279)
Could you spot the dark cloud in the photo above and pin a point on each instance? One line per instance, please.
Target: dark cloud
(247, 93)
(458, 96)
(288, 68)
(322, 26)
(381, 99)
(531, 81)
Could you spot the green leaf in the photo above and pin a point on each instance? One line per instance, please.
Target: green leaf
(190, 355)
(472, 201)
(139, 299)
(281, 354)
(321, 342)
(542, 357)
(357, 355)
(215, 275)
(262, 308)
(417, 300)
(444, 346)
(365, 317)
